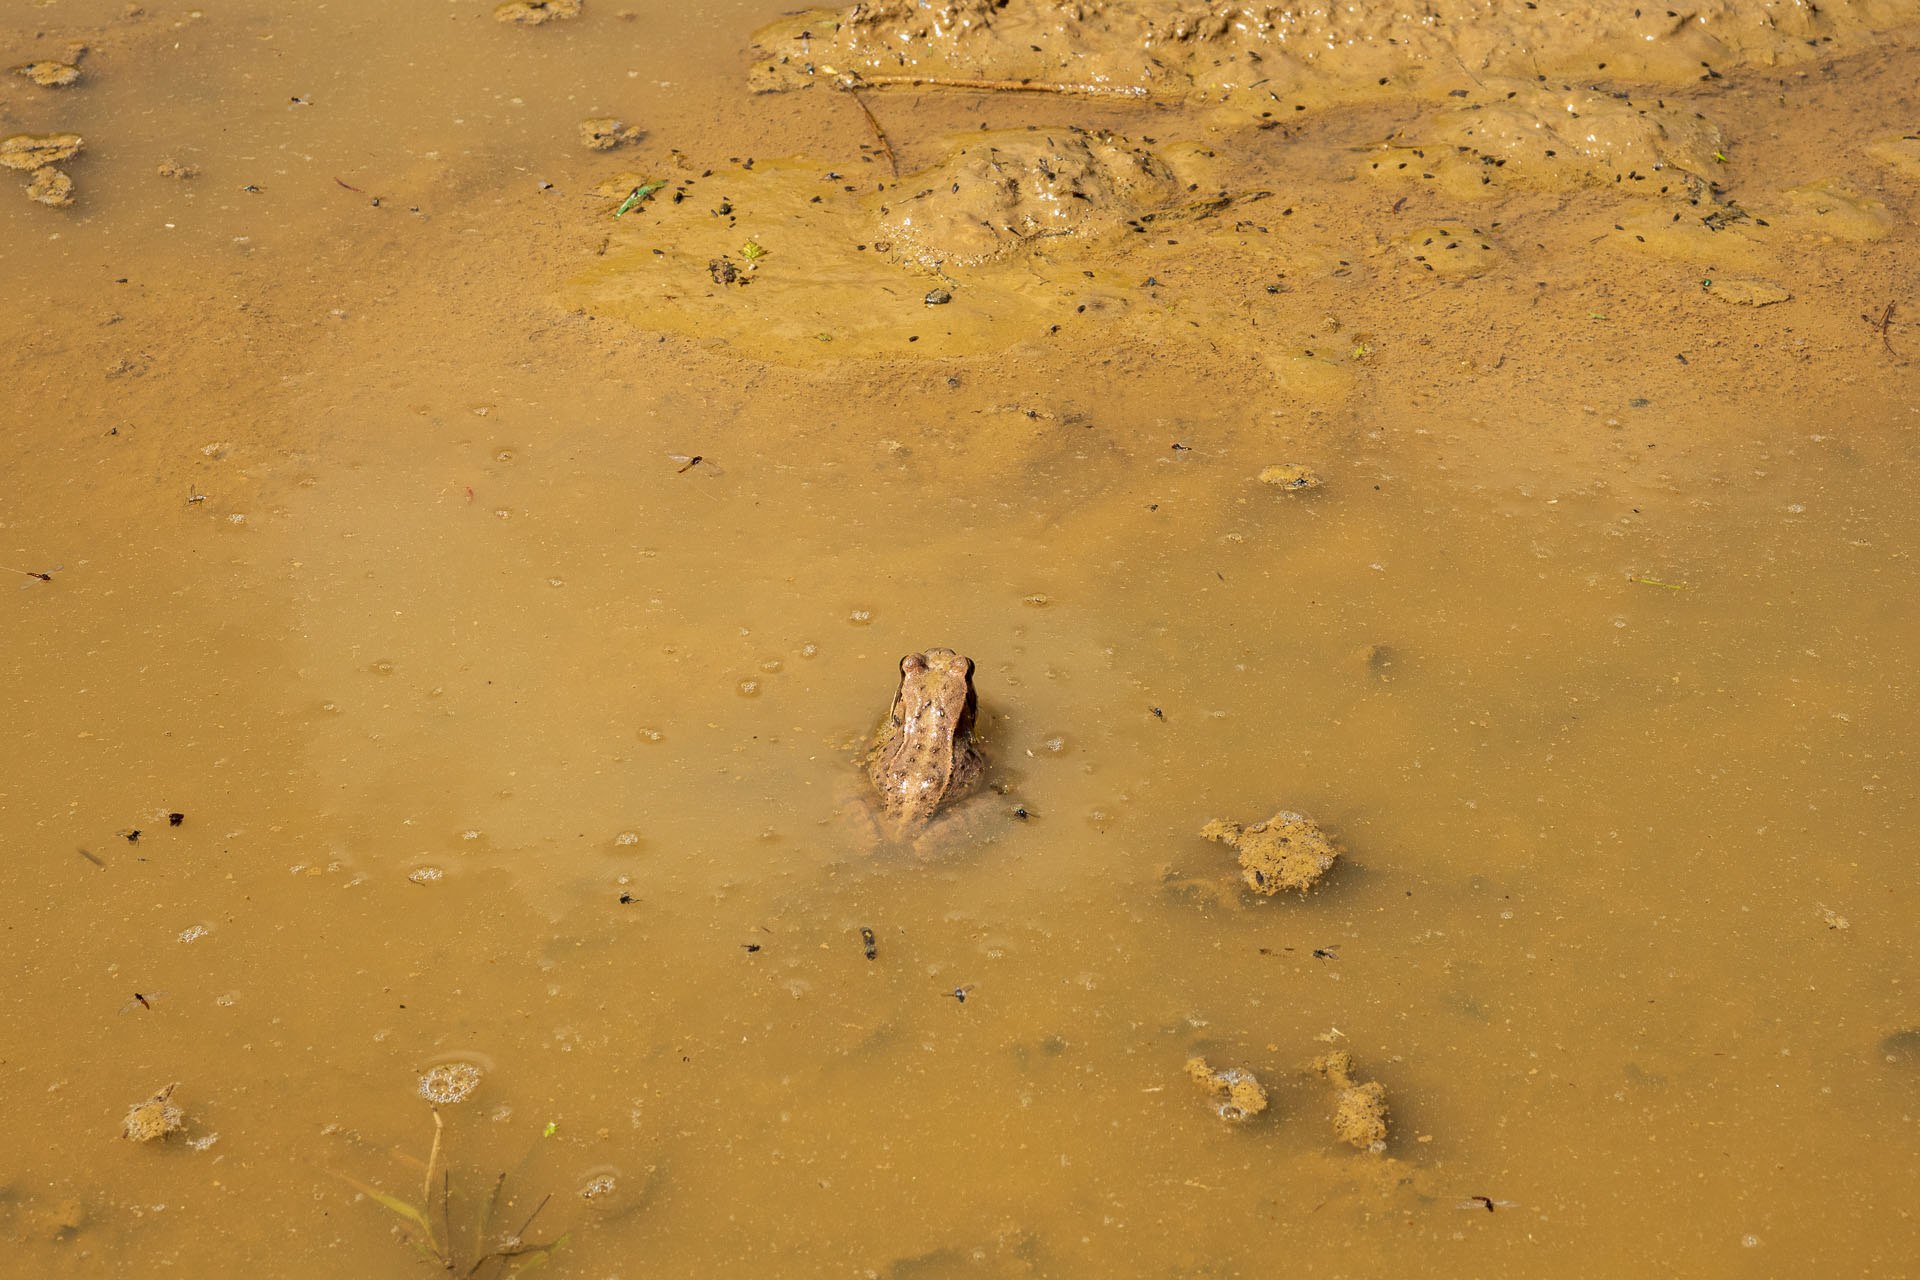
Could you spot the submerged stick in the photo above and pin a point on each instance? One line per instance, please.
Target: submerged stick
(850, 80)
(874, 124)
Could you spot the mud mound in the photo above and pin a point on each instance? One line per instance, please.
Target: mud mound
(1258, 55)
(994, 196)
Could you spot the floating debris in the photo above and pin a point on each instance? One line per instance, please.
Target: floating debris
(49, 73)
(37, 150)
(1287, 851)
(153, 1119)
(1360, 1110)
(1237, 1096)
(51, 187)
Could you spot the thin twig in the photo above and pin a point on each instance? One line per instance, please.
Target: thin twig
(521, 1234)
(852, 80)
(1886, 318)
(879, 133)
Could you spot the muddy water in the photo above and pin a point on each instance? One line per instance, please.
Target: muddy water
(501, 735)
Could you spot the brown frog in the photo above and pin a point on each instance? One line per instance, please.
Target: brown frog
(924, 755)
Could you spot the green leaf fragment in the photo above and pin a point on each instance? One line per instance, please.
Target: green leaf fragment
(638, 194)
(752, 251)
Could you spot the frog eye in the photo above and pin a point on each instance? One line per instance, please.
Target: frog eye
(912, 663)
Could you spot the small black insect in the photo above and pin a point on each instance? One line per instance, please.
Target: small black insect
(1486, 1202)
(625, 898)
(175, 819)
(1021, 813)
(1158, 714)
(867, 943)
(959, 993)
(750, 947)
(133, 836)
(1326, 953)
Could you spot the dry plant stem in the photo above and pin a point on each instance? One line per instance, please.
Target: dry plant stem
(851, 81)
(426, 1196)
(879, 133)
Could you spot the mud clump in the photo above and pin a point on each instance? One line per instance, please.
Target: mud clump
(999, 193)
(604, 133)
(153, 1119)
(49, 73)
(28, 151)
(531, 13)
(52, 187)
(1290, 477)
(1287, 851)
(1359, 1110)
(1237, 1096)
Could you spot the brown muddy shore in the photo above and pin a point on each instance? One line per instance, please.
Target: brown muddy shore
(425, 784)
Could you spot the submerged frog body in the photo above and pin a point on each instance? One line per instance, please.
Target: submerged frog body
(924, 755)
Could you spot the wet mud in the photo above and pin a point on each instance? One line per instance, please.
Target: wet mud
(492, 548)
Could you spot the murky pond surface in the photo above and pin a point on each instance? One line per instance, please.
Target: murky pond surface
(401, 694)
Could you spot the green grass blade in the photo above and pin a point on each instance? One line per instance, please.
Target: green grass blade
(393, 1203)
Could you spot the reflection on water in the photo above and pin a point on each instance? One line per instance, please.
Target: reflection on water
(473, 732)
